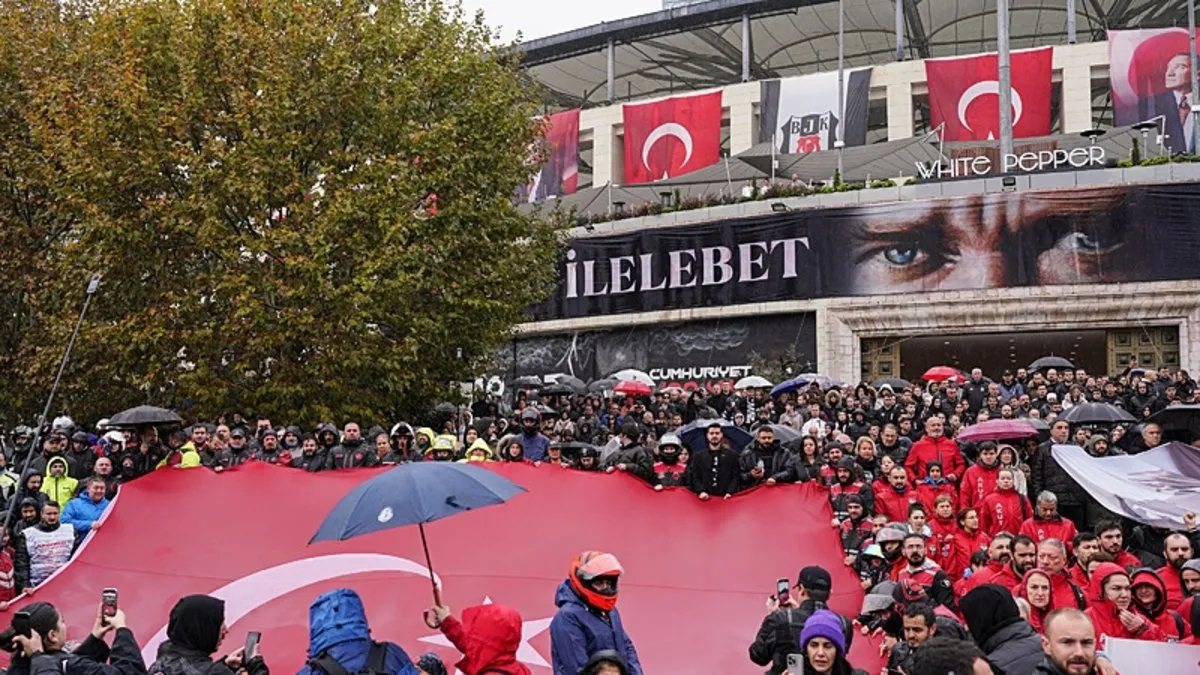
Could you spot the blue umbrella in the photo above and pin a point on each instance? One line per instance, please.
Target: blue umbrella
(415, 493)
(803, 380)
(693, 435)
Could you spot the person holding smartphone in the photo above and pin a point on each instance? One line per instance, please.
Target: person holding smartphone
(195, 631)
(38, 635)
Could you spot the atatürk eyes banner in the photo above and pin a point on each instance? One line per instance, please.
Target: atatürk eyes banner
(1081, 236)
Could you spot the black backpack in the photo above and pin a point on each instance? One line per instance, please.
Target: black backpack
(376, 658)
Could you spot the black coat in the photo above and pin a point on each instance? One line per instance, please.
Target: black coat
(1046, 474)
(779, 635)
(777, 464)
(714, 474)
(1015, 648)
(92, 657)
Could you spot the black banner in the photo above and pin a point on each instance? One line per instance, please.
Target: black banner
(689, 355)
(1080, 236)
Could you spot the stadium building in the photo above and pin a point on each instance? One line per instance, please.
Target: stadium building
(942, 249)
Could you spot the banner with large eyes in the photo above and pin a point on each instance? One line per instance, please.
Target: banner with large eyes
(1099, 235)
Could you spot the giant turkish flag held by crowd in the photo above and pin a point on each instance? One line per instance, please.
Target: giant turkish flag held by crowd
(671, 137)
(697, 574)
(964, 94)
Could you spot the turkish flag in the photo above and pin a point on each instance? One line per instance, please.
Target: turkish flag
(964, 94)
(697, 574)
(669, 138)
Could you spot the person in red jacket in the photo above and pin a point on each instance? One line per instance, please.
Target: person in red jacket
(893, 501)
(1150, 598)
(1004, 568)
(1052, 559)
(935, 447)
(979, 480)
(1005, 509)
(934, 485)
(1047, 524)
(1112, 542)
(1191, 589)
(1086, 545)
(1177, 549)
(942, 528)
(1035, 589)
(967, 540)
(1112, 611)
(488, 636)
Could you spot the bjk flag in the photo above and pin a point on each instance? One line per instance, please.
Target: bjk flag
(669, 138)
(964, 95)
(691, 594)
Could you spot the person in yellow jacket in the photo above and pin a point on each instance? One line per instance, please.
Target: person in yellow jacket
(478, 452)
(423, 440)
(183, 457)
(441, 450)
(58, 485)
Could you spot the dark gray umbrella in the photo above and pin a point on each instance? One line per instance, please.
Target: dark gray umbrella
(144, 416)
(604, 384)
(893, 382)
(1178, 421)
(559, 389)
(446, 407)
(529, 382)
(1050, 362)
(1097, 413)
(577, 385)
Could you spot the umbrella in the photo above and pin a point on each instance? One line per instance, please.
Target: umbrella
(752, 382)
(804, 380)
(634, 374)
(545, 409)
(941, 374)
(577, 385)
(144, 416)
(693, 434)
(1182, 421)
(1050, 362)
(996, 430)
(1097, 413)
(605, 384)
(416, 493)
(529, 382)
(446, 408)
(893, 382)
(559, 389)
(633, 388)
(784, 433)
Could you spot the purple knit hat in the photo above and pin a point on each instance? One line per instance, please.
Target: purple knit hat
(826, 624)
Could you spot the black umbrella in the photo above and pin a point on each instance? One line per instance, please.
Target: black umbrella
(446, 408)
(1050, 362)
(605, 384)
(559, 389)
(1180, 422)
(529, 382)
(144, 416)
(1043, 427)
(577, 385)
(1097, 413)
(894, 382)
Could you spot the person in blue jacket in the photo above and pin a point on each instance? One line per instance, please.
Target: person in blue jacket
(587, 620)
(83, 512)
(337, 628)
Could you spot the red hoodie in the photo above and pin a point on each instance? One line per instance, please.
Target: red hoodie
(979, 482)
(1037, 617)
(894, 504)
(996, 572)
(964, 546)
(1106, 617)
(927, 492)
(1173, 580)
(488, 637)
(1003, 511)
(1059, 528)
(942, 542)
(1157, 611)
(940, 449)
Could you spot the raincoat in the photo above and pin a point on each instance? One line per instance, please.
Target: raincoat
(479, 444)
(1168, 621)
(1003, 511)
(62, 488)
(577, 631)
(1106, 617)
(489, 637)
(337, 626)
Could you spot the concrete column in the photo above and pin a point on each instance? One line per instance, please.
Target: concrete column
(1076, 97)
(603, 149)
(900, 110)
(740, 99)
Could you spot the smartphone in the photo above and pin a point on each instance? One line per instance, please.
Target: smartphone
(795, 664)
(108, 603)
(21, 624)
(783, 590)
(251, 649)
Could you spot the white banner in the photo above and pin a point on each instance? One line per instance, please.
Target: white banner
(1142, 657)
(1156, 487)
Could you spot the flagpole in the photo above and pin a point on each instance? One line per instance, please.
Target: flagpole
(840, 143)
(1005, 81)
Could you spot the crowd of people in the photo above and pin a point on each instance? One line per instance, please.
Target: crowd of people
(932, 526)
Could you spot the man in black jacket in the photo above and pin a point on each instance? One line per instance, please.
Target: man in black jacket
(632, 457)
(765, 461)
(713, 470)
(352, 452)
(779, 634)
(1047, 475)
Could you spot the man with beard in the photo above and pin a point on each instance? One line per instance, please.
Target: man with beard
(1047, 475)
(1069, 644)
(777, 635)
(145, 456)
(238, 451)
(270, 451)
(1112, 542)
(632, 457)
(291, 440)
(81, 457)
(846, 484)
(892, 444)
(765, 461)
(668, 470)
(209, 455)
(312, 457)
(1177, 549)
(894, 499)
(28, 517)
(1086, 545)
(714, 469)
(327, 436)
(979, 481)
(353, 451)
(925, 573)
(52, 446)
(532, 439)
(1002, 568)
(856, 530)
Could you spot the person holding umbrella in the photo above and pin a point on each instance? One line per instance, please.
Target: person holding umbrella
(587, 620)
(488, 636)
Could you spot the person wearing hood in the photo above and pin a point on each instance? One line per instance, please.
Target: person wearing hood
(480, 452)
(291, 440)
(532, 439)
(846, 484)
(327, 436)
(765, 461)
(1035, 591)
(195, 630)
(422, 439)
(57, 485)
(44, 652)
(339, 637)
(313, 457)
(488, 637)
(1150, 598)
(82, 455)
(587, 620)
(934, 485)
(995, 623)
(669, 470)
(1112, 611)
(513, 450)
(1046, 523)
(39, 551)
(28, 515)
(871, 566)
(441, 450)
(632, 457)
(1005, 509)
(979, 481)
(31, 488)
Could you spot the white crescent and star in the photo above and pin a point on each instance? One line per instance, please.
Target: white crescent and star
(662, 131)
(983, 88)
(525, 653)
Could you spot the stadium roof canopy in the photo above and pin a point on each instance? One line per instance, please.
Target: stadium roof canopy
(699, 46)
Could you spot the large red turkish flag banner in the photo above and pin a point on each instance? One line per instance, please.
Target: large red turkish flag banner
(964, 95)
(697, 574)
(671, 137)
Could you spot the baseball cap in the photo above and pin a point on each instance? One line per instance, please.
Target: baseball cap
(815, 579)
(237, 432)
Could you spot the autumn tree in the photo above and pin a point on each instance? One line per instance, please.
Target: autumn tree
(301, 208)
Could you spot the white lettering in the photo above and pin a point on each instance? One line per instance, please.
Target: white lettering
(748, 262)
(716, 269)
(981, 165)
(572, 289)
(648, 274)
(621, 273)
(789, 254)
(589, 280)
(679, 267)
